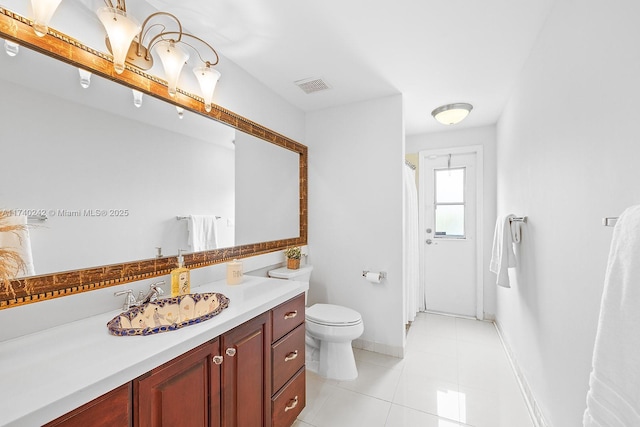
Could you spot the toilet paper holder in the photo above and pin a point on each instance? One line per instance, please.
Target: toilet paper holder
(383, 274)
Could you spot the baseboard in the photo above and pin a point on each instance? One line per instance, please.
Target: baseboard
(532, 405)
(376, 347)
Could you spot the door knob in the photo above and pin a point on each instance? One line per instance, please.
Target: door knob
(217, 359)
(231, 351)
(429, 241)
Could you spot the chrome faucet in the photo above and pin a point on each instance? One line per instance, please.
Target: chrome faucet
(154, 292)
(130, 301)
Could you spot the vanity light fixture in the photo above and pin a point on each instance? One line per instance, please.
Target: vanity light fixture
(132, 43)
(43, 10)
(85, 78)
(126, 41)
(452, 114)
(11, 48)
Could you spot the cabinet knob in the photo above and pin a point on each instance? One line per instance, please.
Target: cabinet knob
(217, 360)
(291, 314)
(293, 403)
(291, 356)
(231, 351)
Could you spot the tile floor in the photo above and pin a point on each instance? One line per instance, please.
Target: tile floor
(455, 374)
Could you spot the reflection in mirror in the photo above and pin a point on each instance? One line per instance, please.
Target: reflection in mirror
(113, 178)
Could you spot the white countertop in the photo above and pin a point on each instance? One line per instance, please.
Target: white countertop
(49, 373)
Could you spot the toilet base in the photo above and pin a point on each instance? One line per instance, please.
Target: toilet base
(333, 360)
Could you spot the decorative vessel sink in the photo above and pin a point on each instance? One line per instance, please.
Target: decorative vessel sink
(168, 314)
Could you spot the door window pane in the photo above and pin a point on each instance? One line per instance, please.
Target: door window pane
(449, 203)
(450, 221)
(450, 186)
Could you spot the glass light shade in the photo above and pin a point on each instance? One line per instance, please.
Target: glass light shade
(173, 58)
(452, 114)
(43, 10)
(137, 98)
(208, 78)
(180, 111)
(121, 29)
(85, 78)
(11, 48)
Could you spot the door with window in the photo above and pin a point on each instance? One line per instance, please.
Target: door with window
(449, 212)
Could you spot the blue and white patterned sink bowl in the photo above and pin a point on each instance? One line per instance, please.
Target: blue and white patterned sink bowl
(168, 314)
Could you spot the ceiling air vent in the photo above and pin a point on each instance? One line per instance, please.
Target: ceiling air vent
(312, 85)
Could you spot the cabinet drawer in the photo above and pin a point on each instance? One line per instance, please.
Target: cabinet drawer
(287, 405)
(287, 357)
(287, 316)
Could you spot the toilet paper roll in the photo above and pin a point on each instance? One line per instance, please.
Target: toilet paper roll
(373, 277)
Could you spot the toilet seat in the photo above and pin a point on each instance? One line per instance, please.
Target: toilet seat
(332, 315)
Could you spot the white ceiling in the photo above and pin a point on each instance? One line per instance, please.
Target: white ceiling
(433, 52)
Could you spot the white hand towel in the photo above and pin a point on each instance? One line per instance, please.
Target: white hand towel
(19, 241)
(613, 399)
(502, 255)
(202, 232)
(225, 232)
(516, 231)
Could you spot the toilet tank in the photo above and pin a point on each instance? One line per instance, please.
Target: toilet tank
(303, 274)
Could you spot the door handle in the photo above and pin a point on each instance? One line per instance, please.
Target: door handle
(231, 351)
(217, 360)
(429, 241)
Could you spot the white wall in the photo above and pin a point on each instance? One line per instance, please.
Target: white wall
(567, 156)
(356, 156)
(486, 137)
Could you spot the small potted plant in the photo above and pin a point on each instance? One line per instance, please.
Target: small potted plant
(293, 257)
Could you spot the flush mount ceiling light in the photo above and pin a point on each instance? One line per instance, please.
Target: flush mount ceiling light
(452, 114)
(132, 43)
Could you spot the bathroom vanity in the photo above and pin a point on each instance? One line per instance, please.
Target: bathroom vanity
(244, 367)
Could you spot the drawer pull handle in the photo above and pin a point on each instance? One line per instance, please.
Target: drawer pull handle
(291, 356)
(293, 404)
(231, 351)
(217, 360)
(291, 315)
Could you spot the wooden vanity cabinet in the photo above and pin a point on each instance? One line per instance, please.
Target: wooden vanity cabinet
(251, 376)
(112, 409)
(246, 373)
(183, 392)
(288, 381)
(221, 383)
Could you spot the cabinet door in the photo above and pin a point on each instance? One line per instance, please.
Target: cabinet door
(246, 374)
(182, 392)
(112, 409)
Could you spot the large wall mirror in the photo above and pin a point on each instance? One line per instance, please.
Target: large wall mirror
(117, 183)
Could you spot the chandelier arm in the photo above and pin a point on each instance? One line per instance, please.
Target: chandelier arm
(142, 30)
(142, 36)
(206, 44)
(122, 5)
(109, 3)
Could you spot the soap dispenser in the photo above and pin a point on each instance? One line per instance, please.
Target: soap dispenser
(180, 278)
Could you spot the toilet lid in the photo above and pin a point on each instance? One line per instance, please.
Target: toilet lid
(332, 315)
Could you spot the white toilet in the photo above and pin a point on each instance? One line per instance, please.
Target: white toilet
(329, 332)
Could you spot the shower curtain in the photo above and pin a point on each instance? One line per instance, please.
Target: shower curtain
(412, 246)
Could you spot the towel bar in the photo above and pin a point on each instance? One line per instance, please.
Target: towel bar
(180, 218)
(518, 219)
